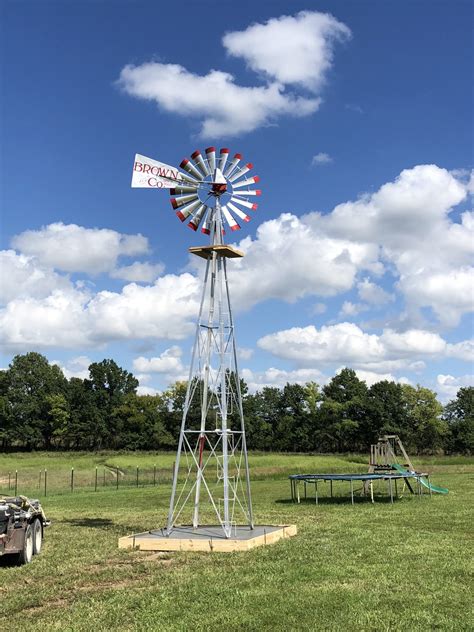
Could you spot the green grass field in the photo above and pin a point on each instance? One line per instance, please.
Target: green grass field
(405, 566)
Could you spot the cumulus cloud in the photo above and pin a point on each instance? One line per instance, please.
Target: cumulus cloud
(72, 317)
(138, 272)
(64, 246)
(448, 385)
(370, 377)
(405, 218)
(238, 109)
(347, 344)
(309, 263)
(168, 362)
(147, 390)
(372, 293)
(291, 49)
(462, 350)
(321, 159)
(75, 367)
(23, 277)
(256, 380)
(351, 309)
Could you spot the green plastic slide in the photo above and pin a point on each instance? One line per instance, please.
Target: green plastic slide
(423, 481)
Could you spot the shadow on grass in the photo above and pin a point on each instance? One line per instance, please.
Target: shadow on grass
(9, 561)
(337, 500)
(96, 523)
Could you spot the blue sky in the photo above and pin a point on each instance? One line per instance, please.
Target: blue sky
(358, 119)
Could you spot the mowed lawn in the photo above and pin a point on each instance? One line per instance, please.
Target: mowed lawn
(406, 566)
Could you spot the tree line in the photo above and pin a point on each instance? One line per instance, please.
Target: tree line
(41, 409)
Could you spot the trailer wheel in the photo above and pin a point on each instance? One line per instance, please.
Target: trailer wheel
(37, 537)
(25, 555)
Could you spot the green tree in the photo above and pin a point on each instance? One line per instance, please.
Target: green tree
(345, 387)
(31, 383)
(387, 411)
(343, 424)
(110, 384)
(5, 415)
(87, 426)
(459, 415)
(426, 427)
(139, 423)
(58, 417)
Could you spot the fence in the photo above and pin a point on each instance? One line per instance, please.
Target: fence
(42, 482)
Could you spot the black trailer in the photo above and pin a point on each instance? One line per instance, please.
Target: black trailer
(22, 524)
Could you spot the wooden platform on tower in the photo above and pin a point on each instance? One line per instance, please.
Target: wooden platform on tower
(223, 250)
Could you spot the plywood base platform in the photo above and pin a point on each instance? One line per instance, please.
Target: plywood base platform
(207, 538)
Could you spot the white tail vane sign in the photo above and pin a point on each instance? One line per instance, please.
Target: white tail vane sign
(153, 174)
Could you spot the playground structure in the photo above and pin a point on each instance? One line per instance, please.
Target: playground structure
(211, 473)
(384, 459)
(383, 466)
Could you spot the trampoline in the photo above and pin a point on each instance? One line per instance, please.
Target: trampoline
(366, 478)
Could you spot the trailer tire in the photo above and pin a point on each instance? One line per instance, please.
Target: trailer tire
(37, 536)
(26, 554)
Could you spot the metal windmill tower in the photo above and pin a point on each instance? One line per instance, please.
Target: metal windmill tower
(211, 474)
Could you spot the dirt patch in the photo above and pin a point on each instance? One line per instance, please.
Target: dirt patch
(161, 557)
(55, 603)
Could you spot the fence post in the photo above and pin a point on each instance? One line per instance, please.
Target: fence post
(95, 484)
(39, 481)
(117, 474)
(45, 481)
(154, 475)
(9, 481)
(16, 482)
(72, 479)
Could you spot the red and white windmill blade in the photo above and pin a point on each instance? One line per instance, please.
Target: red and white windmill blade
(213, 176)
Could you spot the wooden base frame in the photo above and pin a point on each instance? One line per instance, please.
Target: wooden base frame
(207, 538)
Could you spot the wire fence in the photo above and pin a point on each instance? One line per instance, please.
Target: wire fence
(42, 482)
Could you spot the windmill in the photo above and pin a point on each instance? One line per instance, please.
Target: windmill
(211, 474)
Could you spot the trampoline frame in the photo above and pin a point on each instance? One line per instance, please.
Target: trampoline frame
(368, 479)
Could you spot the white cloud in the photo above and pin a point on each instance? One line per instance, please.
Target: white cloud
(291, 49)
(321, 159)
(168, 362)
(22, 277)
(289, 259)
(372, 293)
(462, 350)
(351, 309)
(147, 390)
(238, 109)
(345, 343)
(279, 378)
(414, 341)
(448, 385)
(71, 318)
(138, 272)
(449, 293)
(406, 218)
(370, 377)
(73, 248)
(75, 367)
